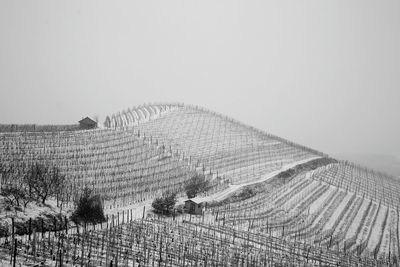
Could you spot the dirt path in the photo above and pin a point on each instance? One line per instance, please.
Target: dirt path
(234, 187)
(137, 208)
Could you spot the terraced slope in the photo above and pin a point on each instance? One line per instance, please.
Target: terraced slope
(122, 167)
(317, 207)
(371, 184)
(226, 148)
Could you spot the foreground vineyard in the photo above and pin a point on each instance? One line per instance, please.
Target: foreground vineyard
(155, 242)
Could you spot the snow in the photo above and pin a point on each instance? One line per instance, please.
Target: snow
(248, 167)
(377, 229)
(31, 211)
(234, 187)
(357, 220)
(329, 199)
(137, 208)
(320, 201)
(296, 199)
(387, 233)
(338, 211)
(367, 224)
(145, 206)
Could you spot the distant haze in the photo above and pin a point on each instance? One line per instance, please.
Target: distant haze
(325, 74)
(385, 163)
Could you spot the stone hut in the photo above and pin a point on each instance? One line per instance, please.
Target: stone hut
(87, 123)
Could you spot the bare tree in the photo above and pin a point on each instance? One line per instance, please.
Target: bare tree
(44, 181)
(13, 187)
(16, 195)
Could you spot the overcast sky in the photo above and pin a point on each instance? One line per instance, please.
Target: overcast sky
(325, 74)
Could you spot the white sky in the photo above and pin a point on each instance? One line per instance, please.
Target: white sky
(325, 74)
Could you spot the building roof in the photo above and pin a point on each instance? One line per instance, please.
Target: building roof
(197, 200)
(87, 120)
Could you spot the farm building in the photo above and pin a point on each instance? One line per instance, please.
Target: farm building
(87, 123)
(195, 205)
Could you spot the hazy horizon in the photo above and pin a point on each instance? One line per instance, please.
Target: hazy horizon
(322, 74)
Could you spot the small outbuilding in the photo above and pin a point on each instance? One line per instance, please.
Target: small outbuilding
(87, 123)
(195, 205)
